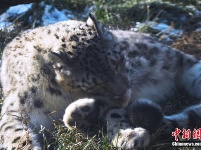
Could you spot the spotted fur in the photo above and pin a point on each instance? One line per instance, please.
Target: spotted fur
(97, 74)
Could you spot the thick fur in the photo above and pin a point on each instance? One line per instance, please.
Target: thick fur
(97, 74)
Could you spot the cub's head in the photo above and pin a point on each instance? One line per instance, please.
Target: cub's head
(90, 61)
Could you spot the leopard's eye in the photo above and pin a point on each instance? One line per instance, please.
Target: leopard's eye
(95, 89)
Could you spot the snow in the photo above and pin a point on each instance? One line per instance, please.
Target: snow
(166, 29)
(12, 11)
(5, 25)
(160, 27)
(50, 15)
(193, 8)
(19, 9)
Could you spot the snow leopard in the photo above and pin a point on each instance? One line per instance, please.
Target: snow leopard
(83, 73)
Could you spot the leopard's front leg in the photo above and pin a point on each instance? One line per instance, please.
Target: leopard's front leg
(85, 112)
(88, 111)
(122, 132)
(130, 128)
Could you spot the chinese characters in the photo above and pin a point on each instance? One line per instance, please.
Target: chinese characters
(187, 134)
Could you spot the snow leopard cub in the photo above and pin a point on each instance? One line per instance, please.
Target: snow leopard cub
(97, 74)
(46, 69)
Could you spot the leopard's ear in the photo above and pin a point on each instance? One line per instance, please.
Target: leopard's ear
(102, 31)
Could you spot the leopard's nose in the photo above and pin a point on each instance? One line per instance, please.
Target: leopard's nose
(117, 85)
(125, 98)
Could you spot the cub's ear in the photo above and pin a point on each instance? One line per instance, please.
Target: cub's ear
(60, 57)
(102, 31)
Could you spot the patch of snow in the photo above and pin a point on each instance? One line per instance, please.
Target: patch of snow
(198, 30)
(193, 8)
(166, 29)
(49, 16)
(6, 26)
(137, 27)
(161, 27)
(12, 11)
(52, 15)
(19, 9)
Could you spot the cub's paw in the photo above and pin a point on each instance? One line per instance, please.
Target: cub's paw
(130, 139)
(81, 114)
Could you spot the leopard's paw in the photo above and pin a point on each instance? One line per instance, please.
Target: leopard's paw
(81, 114)
(130, 139)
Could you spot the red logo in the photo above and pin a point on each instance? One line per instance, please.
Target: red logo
(186, 134)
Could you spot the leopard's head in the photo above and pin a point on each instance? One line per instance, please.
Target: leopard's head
(89, 62)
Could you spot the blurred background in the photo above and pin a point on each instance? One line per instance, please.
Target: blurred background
(174, 22)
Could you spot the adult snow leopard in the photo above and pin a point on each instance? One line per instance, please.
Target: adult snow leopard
(98, 75)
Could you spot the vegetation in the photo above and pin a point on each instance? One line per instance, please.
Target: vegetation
(122, 14)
